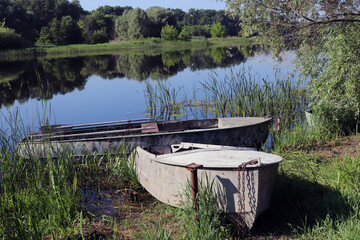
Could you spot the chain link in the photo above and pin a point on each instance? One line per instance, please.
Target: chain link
(241, 201)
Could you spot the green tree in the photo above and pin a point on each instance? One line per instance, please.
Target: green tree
(63, 32)
(45, 37)
(65, 8)
(178, 16)
(113, 11)
(217, 30)
(201, 31)
(192, 17)
(42, 10)
(169, 33)
(132, 24)
(159, 17)
(99, 27)
(325, 35)
(15, 17)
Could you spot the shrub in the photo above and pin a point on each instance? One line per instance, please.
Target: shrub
(217, 30)
(199, 30)
(99, 36)
(169, 33)
(185, 34)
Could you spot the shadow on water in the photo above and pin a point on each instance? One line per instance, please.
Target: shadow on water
(109, 202)
(298, 204)
(101, 202)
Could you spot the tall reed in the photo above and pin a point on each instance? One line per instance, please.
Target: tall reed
(38, 196)
(245, 94)
(238, 94)
(162, 101)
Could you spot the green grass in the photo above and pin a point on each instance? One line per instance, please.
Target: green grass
(42, 197)
(209, 222)
(314, 198)
(316, 194)
(106, 48)
(38, 197)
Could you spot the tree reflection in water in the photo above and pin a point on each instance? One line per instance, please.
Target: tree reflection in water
(44, 78)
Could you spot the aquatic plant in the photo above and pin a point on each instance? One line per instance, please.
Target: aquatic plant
(238, 94)
(163, 101)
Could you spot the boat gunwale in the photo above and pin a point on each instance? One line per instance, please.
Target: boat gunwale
(160, 133)
(157, 158)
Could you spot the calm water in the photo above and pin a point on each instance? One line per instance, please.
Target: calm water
(111, 87)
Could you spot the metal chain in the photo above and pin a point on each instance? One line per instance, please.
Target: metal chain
(241, 201)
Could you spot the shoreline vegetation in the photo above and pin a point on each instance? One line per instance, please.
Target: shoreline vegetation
(114, 46)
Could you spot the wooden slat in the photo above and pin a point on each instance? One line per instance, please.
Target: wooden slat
(150, 127)
(95, 133)
(101, 123)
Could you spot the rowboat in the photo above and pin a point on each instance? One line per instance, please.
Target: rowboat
(165, 176)
(107, 137)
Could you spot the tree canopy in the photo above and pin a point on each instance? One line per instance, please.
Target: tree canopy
(159, 17)
(324, 34)
(133, 24)
(38, 22)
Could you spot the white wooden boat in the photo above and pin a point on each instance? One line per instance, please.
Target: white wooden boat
(163, 174)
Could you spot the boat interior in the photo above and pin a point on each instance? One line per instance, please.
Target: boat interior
(186, 146)
(173, 148)
(125, 127)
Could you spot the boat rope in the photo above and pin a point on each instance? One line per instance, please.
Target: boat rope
(241, 200)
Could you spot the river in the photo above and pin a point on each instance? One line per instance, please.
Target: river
(101, 88)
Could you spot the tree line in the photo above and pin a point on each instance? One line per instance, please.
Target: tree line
(61, 22)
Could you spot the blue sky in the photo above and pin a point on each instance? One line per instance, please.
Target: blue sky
(145, 4)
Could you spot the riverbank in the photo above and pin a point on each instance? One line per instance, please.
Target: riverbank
(316, 196)
(106, 48)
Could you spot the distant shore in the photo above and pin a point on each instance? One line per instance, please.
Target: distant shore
(106, 48)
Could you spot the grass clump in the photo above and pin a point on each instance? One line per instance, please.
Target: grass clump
(209, 222)
(38, 197)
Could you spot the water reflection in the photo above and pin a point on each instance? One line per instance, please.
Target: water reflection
(43, 78)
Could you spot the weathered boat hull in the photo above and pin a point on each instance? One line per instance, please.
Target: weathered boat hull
(249, 132)
(166, 182)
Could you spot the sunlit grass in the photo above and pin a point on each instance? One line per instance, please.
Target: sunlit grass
(105, 48)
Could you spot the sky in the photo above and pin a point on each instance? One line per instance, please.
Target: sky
(145, 4)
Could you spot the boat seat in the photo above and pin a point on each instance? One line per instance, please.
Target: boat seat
(150, 127)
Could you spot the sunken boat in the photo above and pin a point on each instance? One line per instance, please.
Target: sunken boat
(108, 137)
(242, 179)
